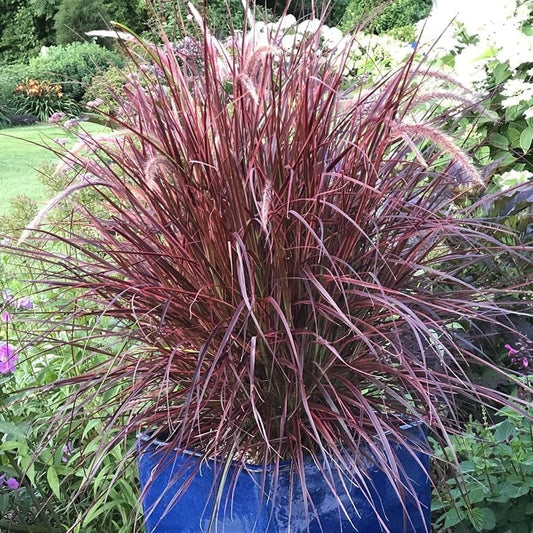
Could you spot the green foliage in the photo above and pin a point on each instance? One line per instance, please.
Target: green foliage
(22, 210)
(223, 16)
(10, 77)
(109, 87)
(25, 26)
(130, 13)
(4, 116)
(383, 16)
(18, 40)
(497, 468)
(50, 475)
(73, 65)
(75, 17)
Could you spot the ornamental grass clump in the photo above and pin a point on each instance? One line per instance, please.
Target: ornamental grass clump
(283, 257)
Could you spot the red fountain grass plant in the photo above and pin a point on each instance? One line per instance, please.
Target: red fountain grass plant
(285, 255)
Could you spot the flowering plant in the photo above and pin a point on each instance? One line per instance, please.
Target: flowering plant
(279, 256)
(42, 98)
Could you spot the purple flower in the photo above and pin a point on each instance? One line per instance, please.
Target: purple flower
(67, 452)
(24, 303)
(5, 317)
(8, 358)
(56, 117)
(12, 483)
(7, 295)
(525, 362)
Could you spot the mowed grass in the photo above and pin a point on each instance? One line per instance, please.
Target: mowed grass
(22, 152)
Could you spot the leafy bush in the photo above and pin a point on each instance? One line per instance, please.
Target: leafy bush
(497, 64)
(108, 87)
(497, 467)
(382, 16)
(75, 17)
(10, 77)
(74, 66)
(22, 210)
(4, 116)
(44, 480)
(19, 39)
(222, 16)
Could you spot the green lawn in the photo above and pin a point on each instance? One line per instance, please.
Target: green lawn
(22, 151)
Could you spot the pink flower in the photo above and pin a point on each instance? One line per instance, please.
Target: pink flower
(94, 103)
(525, 362)
(8, 358)
(71, 123)
(5, 317)
(512, 351)
(56, 117)
(60, 141)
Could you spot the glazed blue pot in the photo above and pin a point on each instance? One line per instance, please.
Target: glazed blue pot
(168, 508)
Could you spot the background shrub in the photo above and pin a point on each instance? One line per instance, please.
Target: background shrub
(74, 66)
(109, 87)
(75, 17)
(497, 465)
(11, 102)
(398, 14)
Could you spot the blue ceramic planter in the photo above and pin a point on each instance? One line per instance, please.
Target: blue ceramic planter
(244, 511)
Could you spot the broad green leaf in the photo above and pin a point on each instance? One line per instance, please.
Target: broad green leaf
(513, 136)
(475, 516)
(526, 138)
(499, 141)
(483, 155)
(27, 465)
(507, 491)
(9, 428)
(488, 520)
(453, 518)
(468, 466)
(53, 481)
(500, 73)
(504, 431)
(478, 493)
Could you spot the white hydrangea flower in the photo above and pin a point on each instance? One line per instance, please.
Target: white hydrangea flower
(284, 23)
(309, 26)
(331, 37)
(516, 91)
(288, 42)
(512, 178)
(470, 66)
(516, 48)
